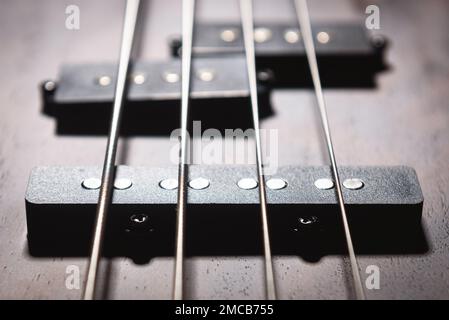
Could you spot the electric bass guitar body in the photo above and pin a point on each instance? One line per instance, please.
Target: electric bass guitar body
(387, 106)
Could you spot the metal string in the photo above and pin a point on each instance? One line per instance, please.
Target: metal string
(306, 30)
(248, 35)
(108, 175)
(188, 14)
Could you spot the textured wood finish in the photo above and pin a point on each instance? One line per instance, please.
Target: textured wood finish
(405, 120)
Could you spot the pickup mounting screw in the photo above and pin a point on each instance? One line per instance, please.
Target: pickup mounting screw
(50, 86)
(378, 41)
(265, 75)
(308, 220)
(139, 218)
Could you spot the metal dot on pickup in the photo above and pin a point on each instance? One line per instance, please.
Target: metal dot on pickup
(276, 184)
(168, 184)
(122, 184)
(91, 183)
(247, 183)
(262, 35)
(324, 184)
(104, 81)
(171, 77)
(229, 35)
(206, 75)
(353, 184)
(292, 36)
(323, 37)
(139, 78)
(199, 183)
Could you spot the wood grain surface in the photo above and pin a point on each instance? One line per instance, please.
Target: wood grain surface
(405, 120)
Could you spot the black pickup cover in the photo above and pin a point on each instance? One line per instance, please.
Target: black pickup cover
(385, 215)
(82, 106)
(351, 58)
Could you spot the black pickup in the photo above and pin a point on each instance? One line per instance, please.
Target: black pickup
(384, 212)
(346, 54)
(81, 99)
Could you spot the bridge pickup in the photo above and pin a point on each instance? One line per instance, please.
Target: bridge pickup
(81, 100)
(384, 210)
(347, 56)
